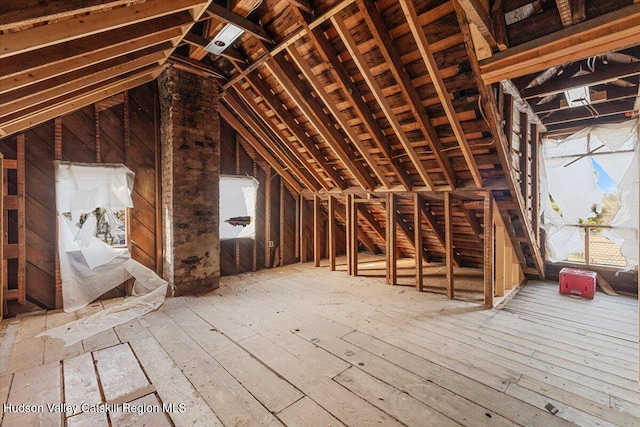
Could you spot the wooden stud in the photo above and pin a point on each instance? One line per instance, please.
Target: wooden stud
(254, 242)
(303, 237)
(331, 210)
(317, 243)
(524, 154)
(535, 183)
(488, 251)
(22, 225)
(438, 230)
(448, 233)
(267, 220)
(500, 249)
(236, 243)
(348, 213)
(353, 238)
(392, 266)
(441, 89)
(417, 229)
(296, 234)
(500, 24)
(282, 223)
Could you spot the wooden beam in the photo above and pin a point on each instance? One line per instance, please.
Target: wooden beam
(281, 223)
(355, 232)
(448, 232)
(196, 67)
(488, 251)
(370, 80)
(417, 229)
(348, 216)
(609, 73)
(79, 100)
(392, 57)
(500, 256)
(362, 236)
(338, 115)
(256, 145)
(355, 98)
(331, 223)
(371, 220)
(479, 16)
(312, 110)
(391, 252)
(30, 96)
(317, 243)
(520, 104)
(226, 15)
(239, 94)
(15, 78)
(294, 127)
(610, 32)
(569, 115)
(441, 89)
(268, 245)
(524, 154)
(566, 14)
(17, 42)
(499, 24)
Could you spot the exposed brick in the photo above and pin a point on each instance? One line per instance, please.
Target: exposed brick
(190, 131)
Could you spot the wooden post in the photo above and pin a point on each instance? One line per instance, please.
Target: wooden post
(535, 184)
(22, 226)
(303, 240)
(296, 234)
(587, 250)
(331, 209)
(57, 153)
(354, 236)
(508, 121)
(524, 155)
(316, 231)
(236, 243)
(267, 219)
(254, 249)
(448, 238)
(417, 229)
(488, 251)
(282, 222)
(392, 266)
(347, 238)
(500, 253)
(1, 238)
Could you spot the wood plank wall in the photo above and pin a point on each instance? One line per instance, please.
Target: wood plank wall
(121, 129)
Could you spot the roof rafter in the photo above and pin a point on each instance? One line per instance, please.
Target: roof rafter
(284, 139)
(303, 175)
(312, 110)
(376, 25)
(14, 43)
(81, 99)
(276, 106)
(382, 100)
(337, 114)
(248, 136)
(441, 89)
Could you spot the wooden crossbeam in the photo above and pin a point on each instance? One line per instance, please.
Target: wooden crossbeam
(312, 110)
(226, 15)
(338, 115)
(256, 145)
(21, 99)
(306, 166)
(78, 100)
(362, 65)
(610, 32)
(602, 75)
(13, 43)
(570, 115)
(294, 127)
(32, 67)
(438, 83)
(392, 56)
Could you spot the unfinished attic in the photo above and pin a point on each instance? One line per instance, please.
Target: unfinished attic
(319, 212)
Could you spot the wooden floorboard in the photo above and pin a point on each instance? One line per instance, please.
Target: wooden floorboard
(304, 346)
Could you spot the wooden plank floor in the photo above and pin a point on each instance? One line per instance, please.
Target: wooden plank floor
(303, 346)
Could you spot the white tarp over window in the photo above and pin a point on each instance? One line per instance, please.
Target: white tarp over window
(237, 207)
(89, 267)
(568, 176)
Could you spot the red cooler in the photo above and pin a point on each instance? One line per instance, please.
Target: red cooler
(577, 282)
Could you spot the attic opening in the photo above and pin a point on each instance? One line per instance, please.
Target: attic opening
(589, 196)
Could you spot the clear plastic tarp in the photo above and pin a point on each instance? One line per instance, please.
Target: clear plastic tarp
(567, 175)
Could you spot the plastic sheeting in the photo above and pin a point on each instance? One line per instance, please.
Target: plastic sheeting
(237, 200)
(89, 267)
(568, 176)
